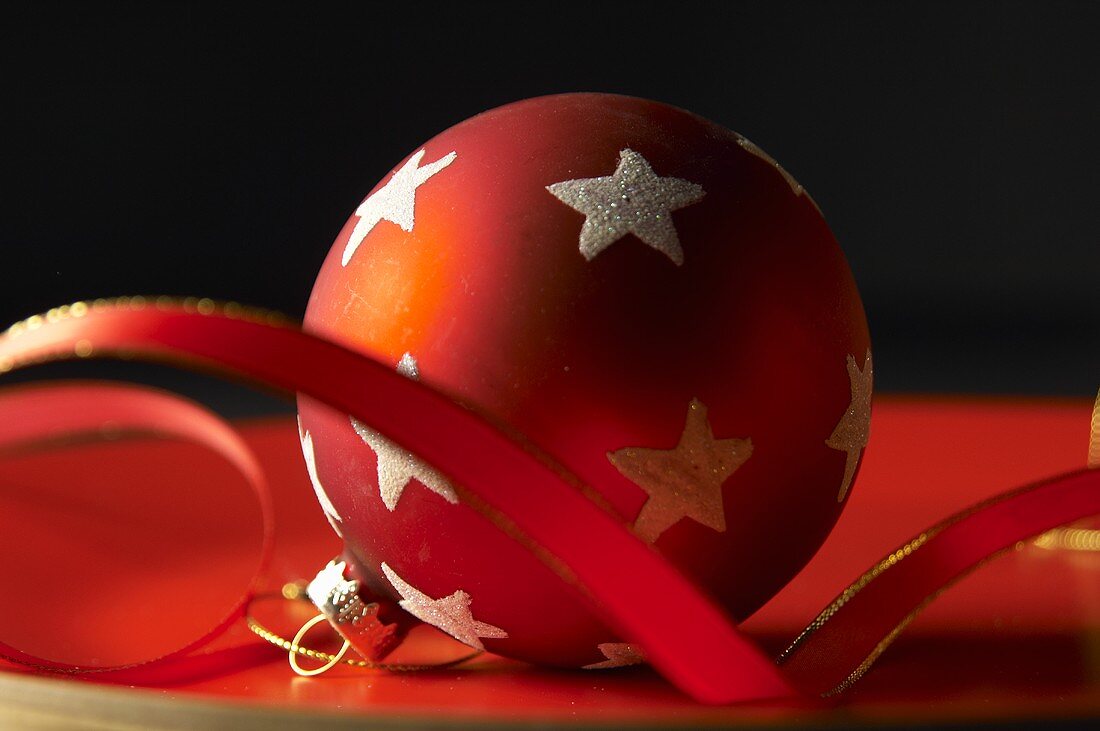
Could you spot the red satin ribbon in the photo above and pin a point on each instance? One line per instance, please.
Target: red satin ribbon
(46, 415)
(707, 656)
(829, 657)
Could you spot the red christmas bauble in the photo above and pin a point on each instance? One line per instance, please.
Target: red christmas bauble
(642, 295)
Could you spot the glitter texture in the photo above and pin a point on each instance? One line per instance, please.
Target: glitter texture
(395, 201)
(450, 614)
(752, 149)
(618, 654)
(408, 367)
(334, 518)
(397, 466)
(854, 429)
(684, 482)
(632, 200)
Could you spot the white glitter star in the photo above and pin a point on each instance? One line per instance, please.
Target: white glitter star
(752, 149)
(618, 654)
(632, 200)
(334, 518)
(396, 466)
(395, 201)
(451, 613)
(408, 367)
(685, 481)
(793, 184)
(854, 429)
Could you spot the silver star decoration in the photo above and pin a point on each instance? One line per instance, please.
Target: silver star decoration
(334, 518)
(618, 654)
(854, 429)
(795, 186)
(397, 466)
(632, 200)
(450, 614)
(395, 201)
(752, 149)
(408, 367)
(685, 481)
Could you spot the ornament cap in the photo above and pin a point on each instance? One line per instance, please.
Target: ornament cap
(355, 620)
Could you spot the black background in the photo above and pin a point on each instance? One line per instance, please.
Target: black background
(191, 150)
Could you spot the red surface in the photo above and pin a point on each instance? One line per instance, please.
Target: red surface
(1019, 638)
(579, 358)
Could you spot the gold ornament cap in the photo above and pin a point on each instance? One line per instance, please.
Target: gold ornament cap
(355, 620)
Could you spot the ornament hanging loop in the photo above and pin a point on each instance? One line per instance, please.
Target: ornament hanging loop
(296, 644)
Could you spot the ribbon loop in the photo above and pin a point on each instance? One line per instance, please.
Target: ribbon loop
(37, 416)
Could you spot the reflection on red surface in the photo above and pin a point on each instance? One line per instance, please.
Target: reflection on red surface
(1021, 637)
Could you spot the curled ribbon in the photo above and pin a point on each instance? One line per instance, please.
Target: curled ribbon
(708, 657)
(47, 416)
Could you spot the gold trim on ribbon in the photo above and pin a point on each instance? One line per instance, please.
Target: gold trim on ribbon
(1070, 539)
(1078, 539)
(1064, 538)
(857, 586)
(1094, 436)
